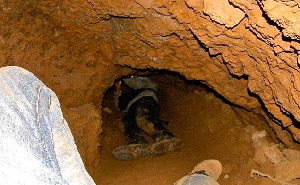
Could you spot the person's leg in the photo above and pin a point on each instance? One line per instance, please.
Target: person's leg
(205, 173)
(132, 132)
(147, 113)
(200, 179)
(144, 115)
(36, 145)
(148, 120)
(136, 145)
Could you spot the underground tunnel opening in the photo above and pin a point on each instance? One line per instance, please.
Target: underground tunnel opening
(78, 47)
(209, 126)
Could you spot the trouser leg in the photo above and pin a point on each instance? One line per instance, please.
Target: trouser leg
(143, 115)
(147, 119)
(133, 133)
(195, 179)
(35, 141)
(136, 144)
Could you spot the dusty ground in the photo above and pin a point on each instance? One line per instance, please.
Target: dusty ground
(208, 127)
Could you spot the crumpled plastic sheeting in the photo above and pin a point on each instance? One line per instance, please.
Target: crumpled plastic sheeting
(36, 145)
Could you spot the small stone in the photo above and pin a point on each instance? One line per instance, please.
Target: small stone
(226, 176)
(274, 154)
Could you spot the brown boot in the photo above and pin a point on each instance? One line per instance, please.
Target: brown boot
(166, 145)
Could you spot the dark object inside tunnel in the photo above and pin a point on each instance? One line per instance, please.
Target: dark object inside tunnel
(209, 127)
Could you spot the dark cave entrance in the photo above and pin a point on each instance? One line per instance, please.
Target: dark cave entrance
(209, 126)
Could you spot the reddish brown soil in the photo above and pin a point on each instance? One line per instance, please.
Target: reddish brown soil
(208, 127)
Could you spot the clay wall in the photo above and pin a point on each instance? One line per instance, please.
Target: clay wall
(247, 51)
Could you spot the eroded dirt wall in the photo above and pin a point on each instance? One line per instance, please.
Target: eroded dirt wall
(75, 64)
(255, 41)
(78, 47)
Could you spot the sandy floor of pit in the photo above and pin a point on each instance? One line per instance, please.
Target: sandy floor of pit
(208, 127)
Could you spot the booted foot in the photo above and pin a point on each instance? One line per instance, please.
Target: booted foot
(164, 146)
(206, 172)
(129, 152)
(212, 168)
(161, 135)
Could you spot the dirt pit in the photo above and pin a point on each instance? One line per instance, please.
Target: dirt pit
(209, 128)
